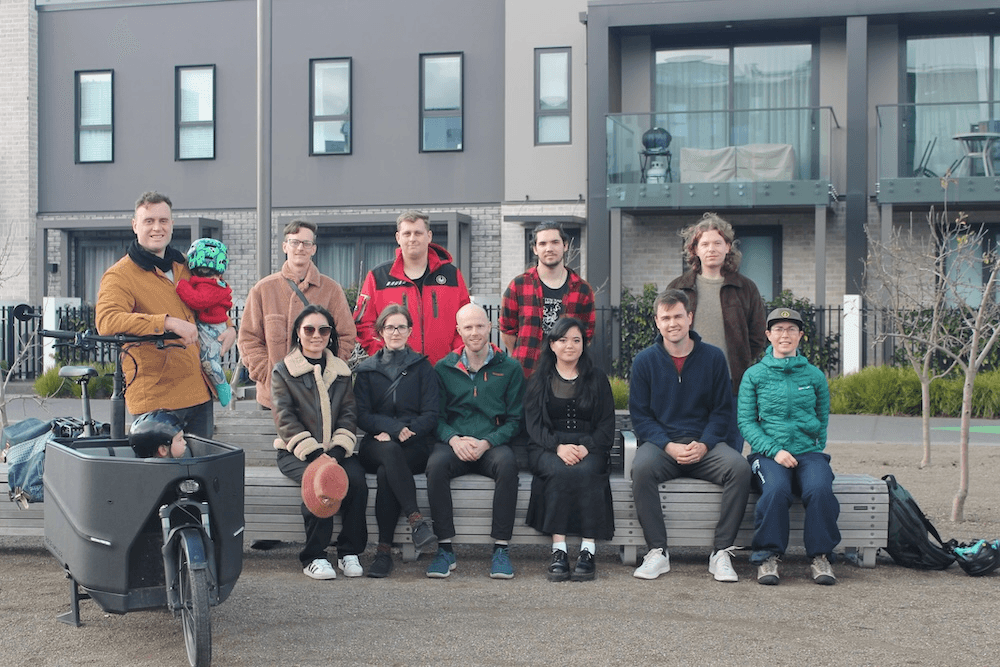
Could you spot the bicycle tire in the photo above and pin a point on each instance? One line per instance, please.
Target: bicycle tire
(192, 585)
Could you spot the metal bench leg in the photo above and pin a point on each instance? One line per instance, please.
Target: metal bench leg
(629, 554)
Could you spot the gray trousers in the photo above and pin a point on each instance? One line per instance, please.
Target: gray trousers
(722, 465)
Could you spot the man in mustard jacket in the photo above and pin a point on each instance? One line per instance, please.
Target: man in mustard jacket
(138, 296)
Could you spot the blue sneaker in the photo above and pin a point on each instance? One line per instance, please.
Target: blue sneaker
(225, 392)
(501, 567)
(442, 565)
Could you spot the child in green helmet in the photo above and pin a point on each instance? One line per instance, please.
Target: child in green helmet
(209, 296)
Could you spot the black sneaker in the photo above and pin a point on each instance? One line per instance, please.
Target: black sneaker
(585, 569)
(381, 566)
(423, 536)
(559, 567)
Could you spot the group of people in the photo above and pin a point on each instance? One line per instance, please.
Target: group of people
(435, 396)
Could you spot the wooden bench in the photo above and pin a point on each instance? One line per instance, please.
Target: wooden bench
(691, 507)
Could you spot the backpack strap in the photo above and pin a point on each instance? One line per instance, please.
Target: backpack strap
(296, 289)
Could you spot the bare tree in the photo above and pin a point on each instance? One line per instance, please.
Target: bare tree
(902, 285)
(936, 293)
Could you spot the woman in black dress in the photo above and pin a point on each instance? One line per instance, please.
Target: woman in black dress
(570, 418)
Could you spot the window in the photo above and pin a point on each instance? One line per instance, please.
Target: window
(950, 80)
(330, 104)
(195, 113)
(94, 117)
(441, 102)
(552, 96)
(769, 88)
(761, 248)
(96, 249)
(347, 253)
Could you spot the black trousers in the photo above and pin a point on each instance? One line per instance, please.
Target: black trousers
(394, 464)
(498, 463)
(354, 533)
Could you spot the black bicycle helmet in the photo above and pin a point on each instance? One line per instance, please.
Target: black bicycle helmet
(978, 558)
(151, 430)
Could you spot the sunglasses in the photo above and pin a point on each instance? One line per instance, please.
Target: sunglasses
(310, 330)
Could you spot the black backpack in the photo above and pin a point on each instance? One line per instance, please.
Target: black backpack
(909, 541)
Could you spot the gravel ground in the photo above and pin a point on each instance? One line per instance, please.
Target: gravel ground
(882, 616)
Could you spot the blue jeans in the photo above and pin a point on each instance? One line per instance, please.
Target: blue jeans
(812, 480)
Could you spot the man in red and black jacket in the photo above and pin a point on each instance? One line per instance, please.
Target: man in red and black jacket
(538, 297)
(424, 280)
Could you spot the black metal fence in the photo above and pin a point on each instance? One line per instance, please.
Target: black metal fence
(15, 335)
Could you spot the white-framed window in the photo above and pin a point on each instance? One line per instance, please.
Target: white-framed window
(195, 112)
(553, 85)
(95, 116)
(441, 101)
(330, 106)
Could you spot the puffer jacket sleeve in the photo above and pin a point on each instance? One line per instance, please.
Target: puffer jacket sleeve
(748, 413)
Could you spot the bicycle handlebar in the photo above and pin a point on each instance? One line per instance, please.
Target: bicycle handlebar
(86, 339)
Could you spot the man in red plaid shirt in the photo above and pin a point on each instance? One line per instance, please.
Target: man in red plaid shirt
(541, 295)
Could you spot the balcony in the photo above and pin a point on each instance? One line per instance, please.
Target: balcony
(919, 145)
(720, 159)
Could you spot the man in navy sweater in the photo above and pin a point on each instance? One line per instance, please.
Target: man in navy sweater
(681, 400)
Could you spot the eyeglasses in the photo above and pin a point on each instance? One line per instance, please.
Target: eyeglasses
(781, 331)
(310, 330)
(294, 244)
(399, 329)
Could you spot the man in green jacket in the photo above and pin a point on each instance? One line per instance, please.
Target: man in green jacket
(784, 409)
(481, 395)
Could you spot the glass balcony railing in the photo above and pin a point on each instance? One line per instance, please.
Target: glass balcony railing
(730, 158)
(928, 153)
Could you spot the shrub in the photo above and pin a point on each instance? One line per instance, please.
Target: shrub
(887, 390)
(50, 385)
(882, 390)
(637, 328)
(619, 389)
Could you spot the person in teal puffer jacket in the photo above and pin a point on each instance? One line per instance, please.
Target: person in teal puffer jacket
(784, 409)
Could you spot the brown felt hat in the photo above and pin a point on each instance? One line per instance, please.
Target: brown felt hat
(324, 485)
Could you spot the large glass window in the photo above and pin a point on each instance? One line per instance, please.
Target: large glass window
(761, 249)
(950, 80)
(195, 99)
(330, 95)
(441, 102)
(94, 117)
(552, 96)
(347, 254)
(770, 88)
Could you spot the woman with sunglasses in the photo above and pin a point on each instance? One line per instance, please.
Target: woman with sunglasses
(397, 395)
(315, 413)
(569, 414)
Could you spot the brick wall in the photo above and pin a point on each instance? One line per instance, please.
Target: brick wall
(19, 141)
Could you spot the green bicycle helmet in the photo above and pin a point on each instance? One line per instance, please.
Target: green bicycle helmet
(208, 254)
(151, 430)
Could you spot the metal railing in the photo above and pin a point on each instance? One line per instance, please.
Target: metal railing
(14, 335)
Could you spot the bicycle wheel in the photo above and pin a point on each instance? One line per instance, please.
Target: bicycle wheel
(193, 590)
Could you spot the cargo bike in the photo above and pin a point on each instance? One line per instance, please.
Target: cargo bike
(136, 533)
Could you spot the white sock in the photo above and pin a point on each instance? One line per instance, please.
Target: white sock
(559, 546)
(588, 545)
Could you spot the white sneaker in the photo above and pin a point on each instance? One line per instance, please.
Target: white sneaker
(320, 569)
(350, 566)
(654, 563)
(822, 573)
(721, 566)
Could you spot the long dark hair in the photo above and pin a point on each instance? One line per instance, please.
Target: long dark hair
(331, 344)
(541, 379)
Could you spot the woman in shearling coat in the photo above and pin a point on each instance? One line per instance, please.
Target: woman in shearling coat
(314, 412)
